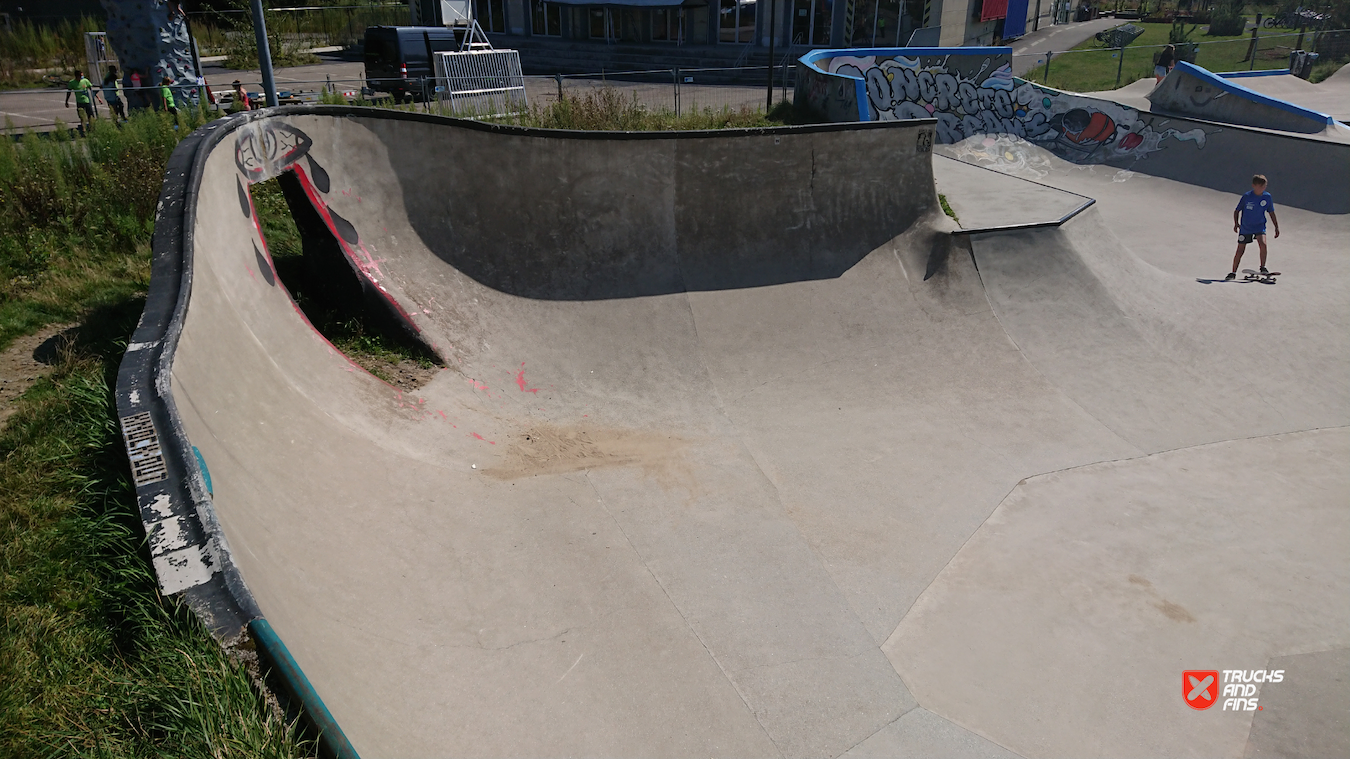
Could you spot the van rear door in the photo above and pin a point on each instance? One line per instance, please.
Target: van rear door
(382, 56)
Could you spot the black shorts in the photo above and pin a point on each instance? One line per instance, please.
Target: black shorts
(1243, 239)
(86, 107)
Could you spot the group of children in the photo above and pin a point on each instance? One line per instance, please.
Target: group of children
(110, 91)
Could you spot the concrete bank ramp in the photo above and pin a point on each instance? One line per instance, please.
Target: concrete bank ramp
(1330, 96)
(730, 427)
(1189, 90)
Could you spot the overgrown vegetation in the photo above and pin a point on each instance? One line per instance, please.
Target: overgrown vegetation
(610, 109)
(29, 52)
(76, 218)
(92, 660)
(241, 47)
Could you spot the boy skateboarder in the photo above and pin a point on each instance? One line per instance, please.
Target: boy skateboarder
(1249, 221)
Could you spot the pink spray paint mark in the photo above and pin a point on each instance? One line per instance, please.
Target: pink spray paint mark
(476, 436)
(520, 381)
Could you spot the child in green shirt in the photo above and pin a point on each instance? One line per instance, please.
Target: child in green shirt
(81, 87)
(167, 94)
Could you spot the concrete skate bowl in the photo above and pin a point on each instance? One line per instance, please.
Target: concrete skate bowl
(737, 451)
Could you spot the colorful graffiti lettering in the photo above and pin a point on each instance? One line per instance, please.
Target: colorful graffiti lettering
(977, 94)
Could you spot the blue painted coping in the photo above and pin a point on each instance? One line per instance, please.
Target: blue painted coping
(206, 473)
(1236, 89)
(1246, 74)
(860, 85)
(330, 734)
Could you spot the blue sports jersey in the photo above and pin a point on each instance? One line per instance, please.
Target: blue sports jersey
(1254, 208)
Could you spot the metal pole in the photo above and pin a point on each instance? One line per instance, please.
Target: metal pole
(1046, 78)
(264, 54)
(1256, 30)
(1036, 22)
(773, 23)
(1119, 65)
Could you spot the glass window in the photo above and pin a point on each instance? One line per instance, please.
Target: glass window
(811, 21)
(599, 26)
(546, 19)
(660, 24)
(737, 22)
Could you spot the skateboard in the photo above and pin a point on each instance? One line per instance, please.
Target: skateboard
(1248, 275)
(1252, 275)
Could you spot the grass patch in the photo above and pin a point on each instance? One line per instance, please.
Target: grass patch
(370, 339)
(946, 208)
(1092, 68)
(1323, 69)
(93, 661)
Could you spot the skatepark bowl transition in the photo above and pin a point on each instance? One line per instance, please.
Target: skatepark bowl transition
(742, 447)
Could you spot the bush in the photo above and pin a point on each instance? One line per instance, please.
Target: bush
(1227, 19)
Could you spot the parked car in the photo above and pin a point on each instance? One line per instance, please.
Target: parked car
(399, 57)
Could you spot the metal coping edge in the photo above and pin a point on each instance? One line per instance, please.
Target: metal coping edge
(1250, 74)
(1089, 202)
(330, 732)
(1030, 225)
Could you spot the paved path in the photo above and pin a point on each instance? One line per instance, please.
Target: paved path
(1031, 49)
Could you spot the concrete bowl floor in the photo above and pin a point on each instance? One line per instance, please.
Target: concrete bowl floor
(739, 451)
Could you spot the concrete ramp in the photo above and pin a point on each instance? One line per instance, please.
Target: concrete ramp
(1194, 92)
(738, 449)
(1330, 96)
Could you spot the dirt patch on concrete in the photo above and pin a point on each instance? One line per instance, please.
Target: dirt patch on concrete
(26, 361)
(550, 449)
(404, 374)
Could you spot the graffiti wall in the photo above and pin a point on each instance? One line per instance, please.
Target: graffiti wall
(971, 91)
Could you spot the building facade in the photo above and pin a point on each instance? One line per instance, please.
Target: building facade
(746, 23)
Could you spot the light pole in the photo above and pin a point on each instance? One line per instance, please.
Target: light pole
(264, 54)
(773, 22)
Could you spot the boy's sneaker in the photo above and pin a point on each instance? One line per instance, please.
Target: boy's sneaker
(1264, 270)
(1231, 275)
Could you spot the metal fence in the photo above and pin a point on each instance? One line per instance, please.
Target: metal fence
(1112, 67)
(480, 82)
(675, 90)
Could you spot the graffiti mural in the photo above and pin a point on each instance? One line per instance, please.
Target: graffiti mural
(971, 91)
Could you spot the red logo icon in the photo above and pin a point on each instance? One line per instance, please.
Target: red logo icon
(1200, 687)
